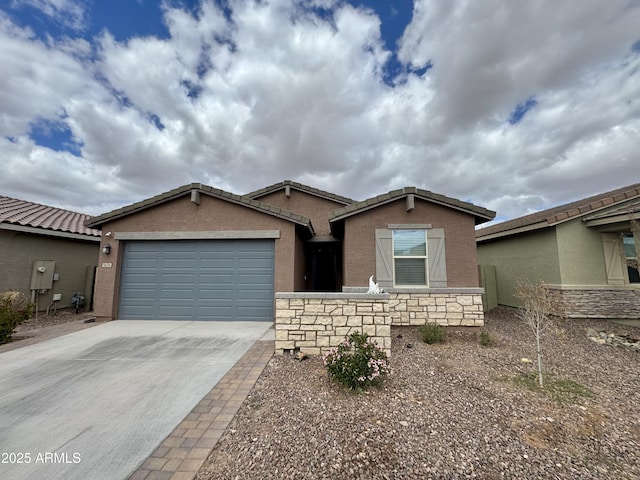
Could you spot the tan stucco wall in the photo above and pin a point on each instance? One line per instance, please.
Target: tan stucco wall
(310, 206)
(182, 215)
(460, 247)
(581, 254)
(74, 259)
(526, 257)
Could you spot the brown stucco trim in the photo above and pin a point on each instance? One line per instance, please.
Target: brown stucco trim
(197, 235)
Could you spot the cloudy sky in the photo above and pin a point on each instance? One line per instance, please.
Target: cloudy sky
(514, 106)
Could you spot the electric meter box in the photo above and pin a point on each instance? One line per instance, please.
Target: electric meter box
(42, 275)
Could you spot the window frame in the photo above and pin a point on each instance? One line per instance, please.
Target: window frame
(628, 260)
(424, 257)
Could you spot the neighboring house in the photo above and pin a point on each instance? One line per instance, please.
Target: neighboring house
(46, 253)
(197, 252)
(585, 250)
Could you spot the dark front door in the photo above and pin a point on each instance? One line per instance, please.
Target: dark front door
(323, 266)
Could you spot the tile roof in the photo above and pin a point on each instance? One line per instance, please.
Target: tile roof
(481, 214)
(35, 215)
(559, 214)
(303, 188)
(207, 190)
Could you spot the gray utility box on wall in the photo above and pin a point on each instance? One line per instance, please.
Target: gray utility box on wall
(42, 275)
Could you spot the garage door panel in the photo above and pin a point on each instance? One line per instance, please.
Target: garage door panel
(178, 278)
(198, 280)
(205, 295)
(216, 279)
(256, 296)
(179, 264)
(216, 263)
(176, 294)
(140, 312)
(150, 263)
(252, 281)
(139, 294)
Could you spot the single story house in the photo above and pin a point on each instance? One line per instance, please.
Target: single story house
(46, 253)
(197, 252)
(585, 250)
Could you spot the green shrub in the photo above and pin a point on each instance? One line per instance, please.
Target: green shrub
(485, 338)
(14, 309)
(356, 362)
(432, 333)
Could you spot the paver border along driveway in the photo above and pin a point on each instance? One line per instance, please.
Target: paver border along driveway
(96, 403)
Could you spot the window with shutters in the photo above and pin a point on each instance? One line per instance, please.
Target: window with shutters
(410, 258)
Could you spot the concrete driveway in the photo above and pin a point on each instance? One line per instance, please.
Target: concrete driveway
(95, 403)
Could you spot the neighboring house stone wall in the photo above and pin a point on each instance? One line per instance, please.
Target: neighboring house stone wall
(590, 302)
(314, 322)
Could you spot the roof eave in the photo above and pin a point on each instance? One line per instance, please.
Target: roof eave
(216, 193)
(514, 231)
(612, 219)
(49, 232)
(393, 196)
(301, 188)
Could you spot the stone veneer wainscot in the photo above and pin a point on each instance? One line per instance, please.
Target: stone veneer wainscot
(599, 302)
(449, 307)
(313, 322)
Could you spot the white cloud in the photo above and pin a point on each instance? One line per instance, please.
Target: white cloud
(275, 90)
(70, 13)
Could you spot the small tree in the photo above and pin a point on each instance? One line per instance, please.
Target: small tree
(539, 307)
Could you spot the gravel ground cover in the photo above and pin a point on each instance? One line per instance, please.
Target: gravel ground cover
(453, 410)
(47, 320)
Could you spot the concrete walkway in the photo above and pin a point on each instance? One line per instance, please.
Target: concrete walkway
(98, 403)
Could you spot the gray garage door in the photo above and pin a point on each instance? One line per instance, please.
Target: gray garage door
(197, 280)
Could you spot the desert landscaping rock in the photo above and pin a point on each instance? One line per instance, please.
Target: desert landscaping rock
(614, 339)
(447, 411)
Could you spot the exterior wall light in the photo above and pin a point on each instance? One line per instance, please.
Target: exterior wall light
(106, 249)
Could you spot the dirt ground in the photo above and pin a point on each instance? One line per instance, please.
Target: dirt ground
(46, 320)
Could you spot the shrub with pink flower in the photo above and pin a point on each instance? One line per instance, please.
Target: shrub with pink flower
(357, 362)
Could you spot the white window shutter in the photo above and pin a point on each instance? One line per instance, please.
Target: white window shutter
(613, 259)
(384, 258)
(437, 258)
